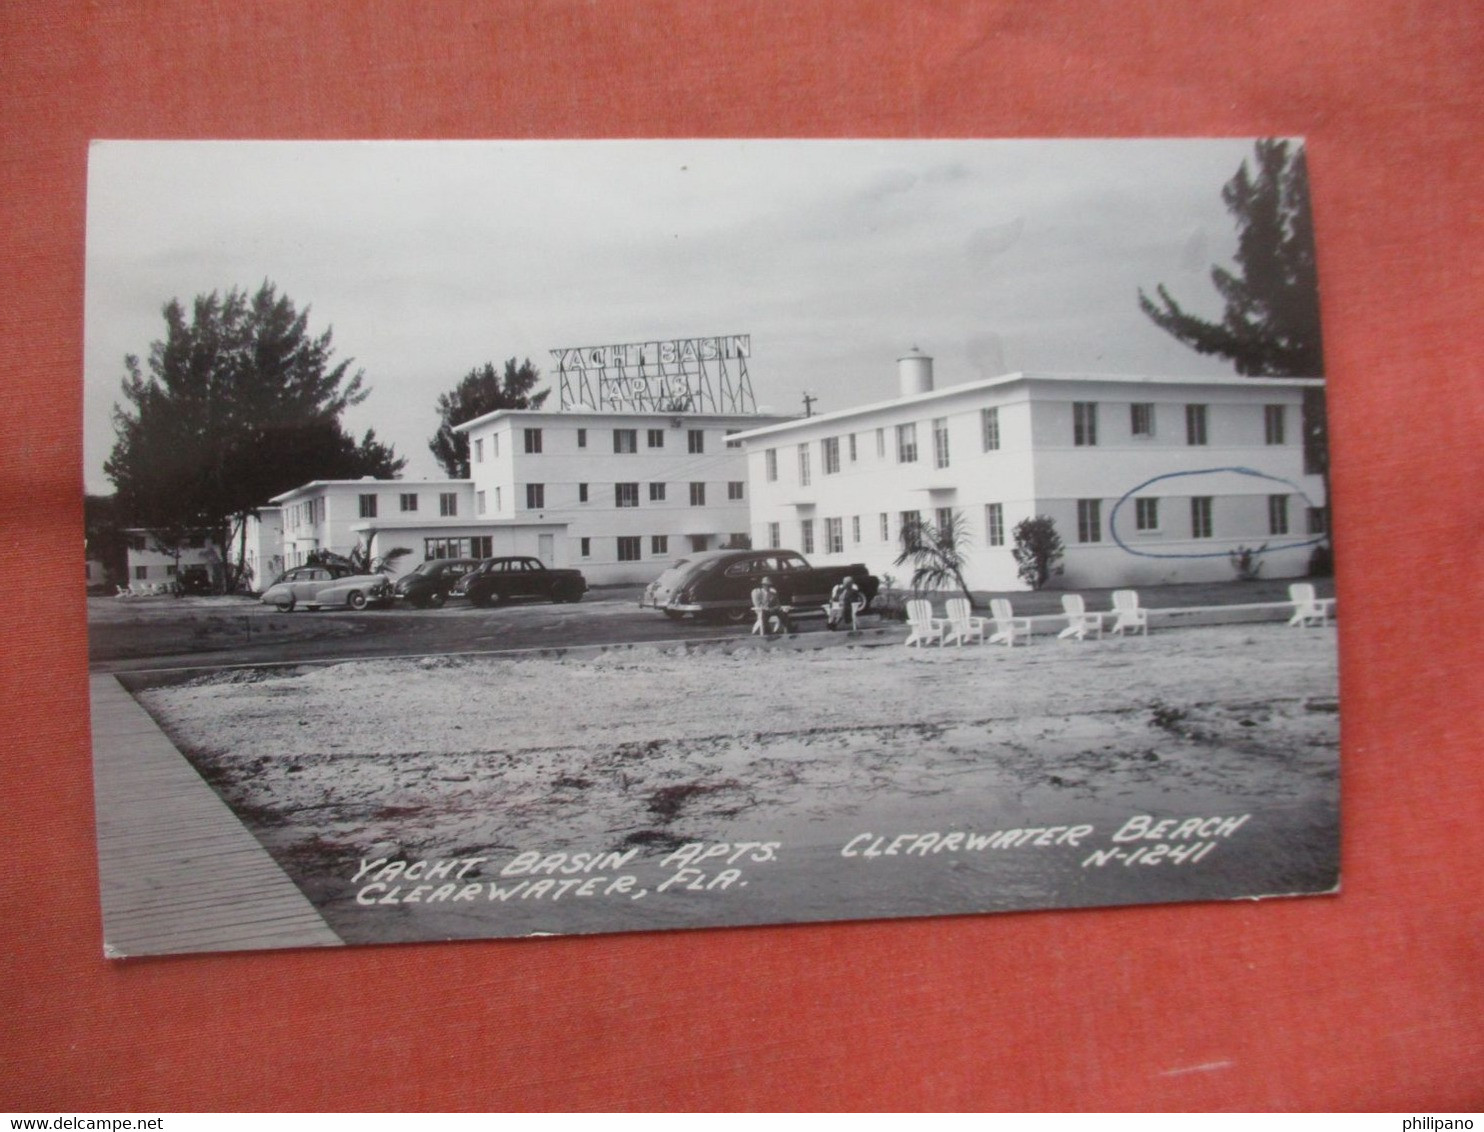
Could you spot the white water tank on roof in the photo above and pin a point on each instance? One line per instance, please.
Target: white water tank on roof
(915, 372)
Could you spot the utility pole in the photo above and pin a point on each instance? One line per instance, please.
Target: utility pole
(809, 405)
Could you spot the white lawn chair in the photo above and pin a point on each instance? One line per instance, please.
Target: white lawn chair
(1127, 614)
(1307, 608)
(1079, 621)
(925, 628)
(1007, 627)
(962, 625)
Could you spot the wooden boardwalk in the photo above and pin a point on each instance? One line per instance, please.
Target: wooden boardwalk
(178, 871)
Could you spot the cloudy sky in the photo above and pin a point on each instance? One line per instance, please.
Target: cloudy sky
(428, 259)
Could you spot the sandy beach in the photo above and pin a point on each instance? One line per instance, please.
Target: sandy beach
(688, 785)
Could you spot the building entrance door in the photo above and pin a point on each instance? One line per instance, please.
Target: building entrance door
(698, 542)
(546, 549)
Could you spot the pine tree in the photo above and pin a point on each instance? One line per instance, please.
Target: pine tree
(1271, 324)
(481, 391)
(237, 403)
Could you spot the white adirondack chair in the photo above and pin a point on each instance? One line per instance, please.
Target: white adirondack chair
(1007, 627)
(962, 625)
(1308, 609)
(925, 628)
(1127, 614)
(1079, 621)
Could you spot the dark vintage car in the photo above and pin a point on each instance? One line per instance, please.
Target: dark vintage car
(498, 580)
(431, 582)
(323, 584)
(717, 585)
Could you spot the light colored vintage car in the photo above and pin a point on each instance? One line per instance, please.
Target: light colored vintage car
(316, 587)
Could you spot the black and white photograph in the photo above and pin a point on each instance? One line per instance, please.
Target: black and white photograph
(506, 539)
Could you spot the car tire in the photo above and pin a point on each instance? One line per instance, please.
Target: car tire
(355, 600)
(564, 594)
(674, 615)
(735, 616)
(437, 598)
(284, 604)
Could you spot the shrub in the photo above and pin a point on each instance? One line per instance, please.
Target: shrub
(1038, 550)
(1247, 562)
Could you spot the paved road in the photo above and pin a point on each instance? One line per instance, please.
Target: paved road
(153, 633)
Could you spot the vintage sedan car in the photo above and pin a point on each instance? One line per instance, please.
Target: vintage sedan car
(498, 580)
(431, 582)
(717, 585)
(324, 585)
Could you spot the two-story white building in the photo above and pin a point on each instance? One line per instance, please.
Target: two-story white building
(1148, 479)
(634, 489)
(431, 518)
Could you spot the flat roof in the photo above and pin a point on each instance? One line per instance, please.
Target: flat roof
(1014, 378)
(578, 413)
(365, 481)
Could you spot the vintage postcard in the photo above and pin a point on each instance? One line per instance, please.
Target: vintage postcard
(532, 538)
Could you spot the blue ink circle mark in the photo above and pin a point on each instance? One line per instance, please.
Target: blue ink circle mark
(1113, 515)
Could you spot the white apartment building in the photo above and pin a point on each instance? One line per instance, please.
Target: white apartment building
(431, 518)
(1148, 479)
(632, 489)
(154, 563)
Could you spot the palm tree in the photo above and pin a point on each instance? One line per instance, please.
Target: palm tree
(938, 553)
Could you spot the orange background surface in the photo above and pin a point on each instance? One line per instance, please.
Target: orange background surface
(1372, 999)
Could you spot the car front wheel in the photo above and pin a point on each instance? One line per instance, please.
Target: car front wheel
(284, 604)
(437, 598)
(356, 600)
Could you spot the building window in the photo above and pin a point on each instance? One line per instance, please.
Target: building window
(1085, 423)
(731, 432)
(1146, 514)
(479, 450)
(944, 516)
(582, 438)
(585, 547)
(482, 546)
(448, 504)
(659, 544)
(626, 495)
(479, 502)
(852, 447)
(695, 439)
(910, 530)
(885, 527)
(409, 501)
(804, 465)
(881, 444)
(368, 506)
(533, 440)
(625, 441)
(806, 535)
(907, 443)
(770, 465)
(630, 548)
(499, 506)
(141, 573)
(1277, 514)
(1195, 424)
(989, 429)
(940, 442)
(698, 495)
(1200, 516)
(1314, 518)
(170, 570)
(655, 437)
(855, 529)
(656, 493)
(1089, 520)
(775, 536)
(834, 536)
(1141, 419)
(994, 523)
(1272, 424)
(734, 489)
(582, 493)
(535, 496)
(495, 446)
(477, 546)
(831, 448)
